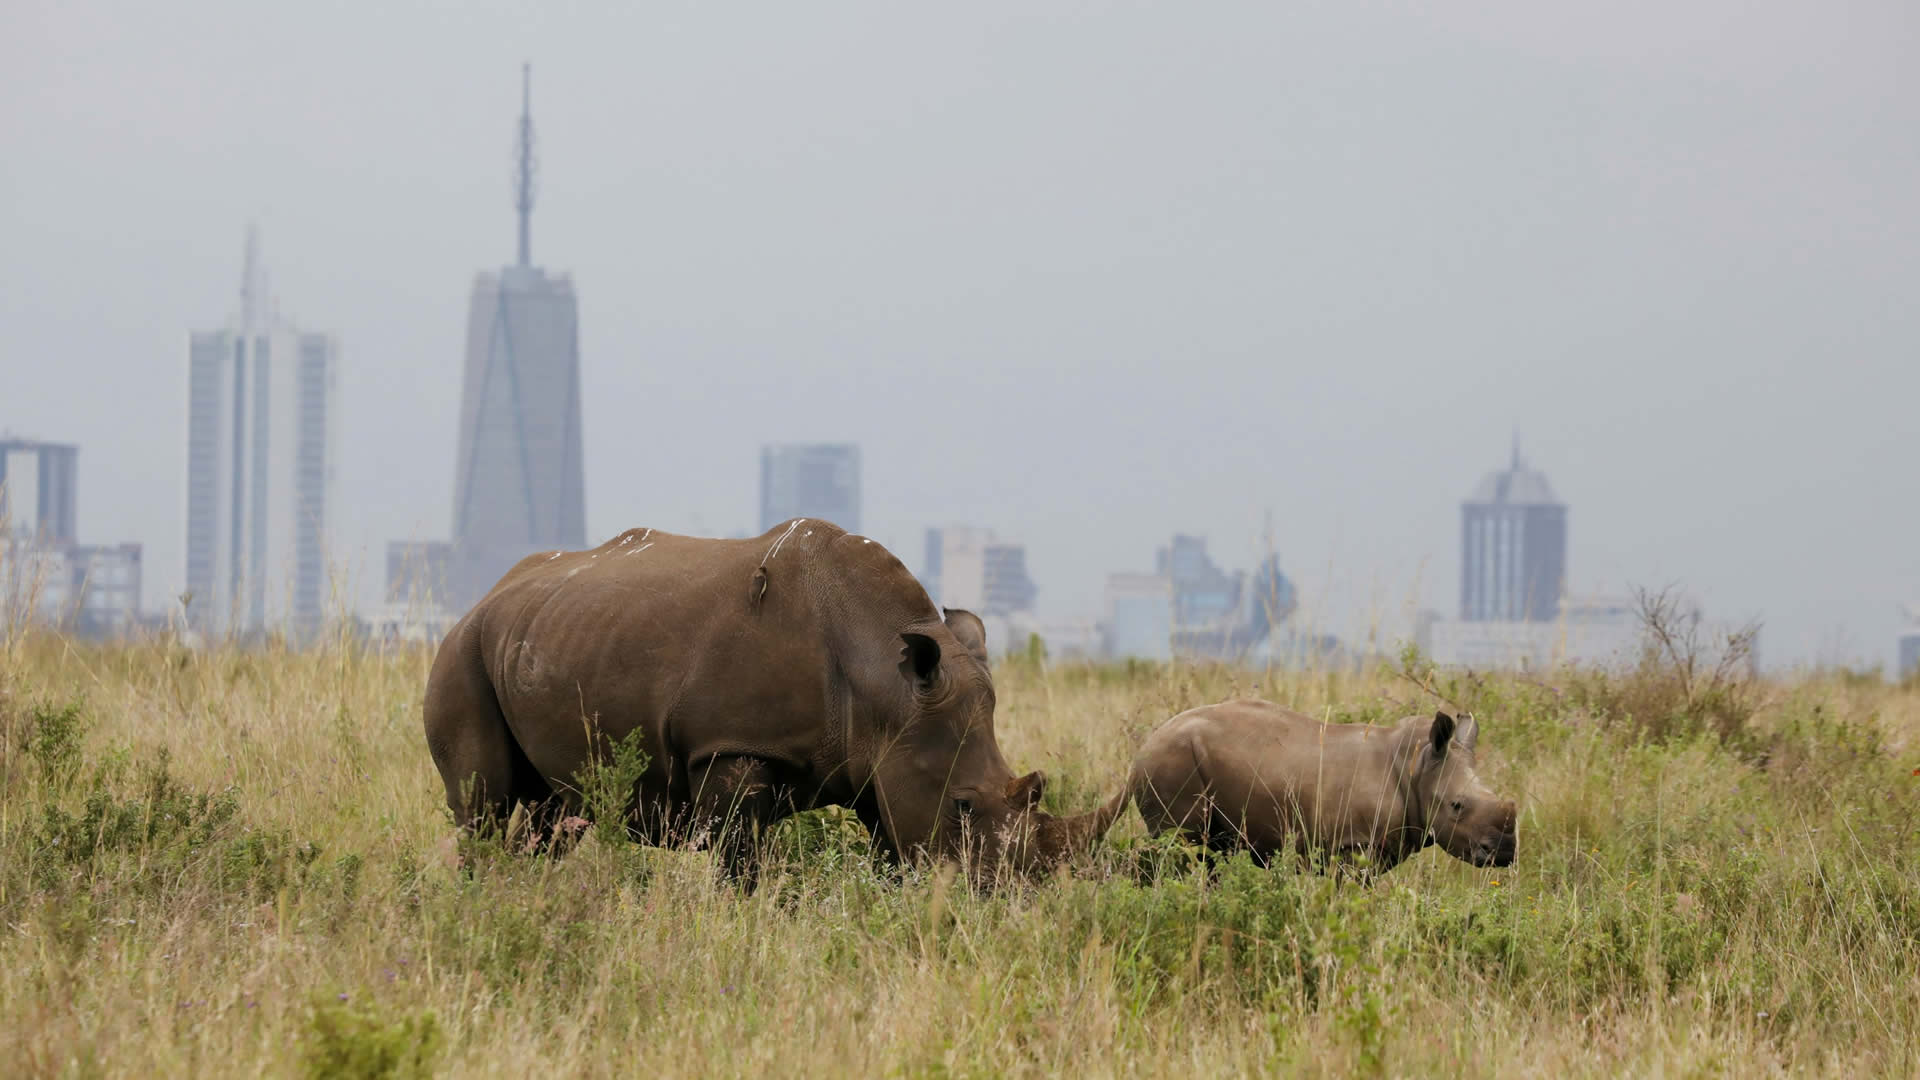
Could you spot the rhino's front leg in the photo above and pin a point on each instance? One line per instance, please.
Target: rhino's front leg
(735, 800)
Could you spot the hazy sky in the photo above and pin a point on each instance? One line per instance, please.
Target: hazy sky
(1084, 274)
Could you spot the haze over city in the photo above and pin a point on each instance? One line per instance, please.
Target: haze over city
(1084, 277)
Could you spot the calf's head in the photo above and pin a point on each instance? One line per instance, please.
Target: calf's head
(1460, 814)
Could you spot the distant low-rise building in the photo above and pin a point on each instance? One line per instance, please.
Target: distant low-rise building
(1299, 648)
(1138, 621)
(33, 582)
(410, 624)
(1591, 631)
(971, 569)
(106, 588)
(84, 589)
(1208, 612)
(46, 575)
(1908, 646)
(1060, 639)
(417, 572)
(1217, 614)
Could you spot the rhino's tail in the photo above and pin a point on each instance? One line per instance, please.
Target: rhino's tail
(1087, 829)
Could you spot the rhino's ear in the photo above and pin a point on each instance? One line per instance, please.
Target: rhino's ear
(1466, 731)
(919, 658)
(1025, 793)
(1442, 734)
(969, 629)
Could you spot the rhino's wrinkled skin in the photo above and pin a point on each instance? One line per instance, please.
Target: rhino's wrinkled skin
(800, 669)
(1250, 775)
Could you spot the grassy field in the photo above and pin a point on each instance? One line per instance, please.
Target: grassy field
(240, 863)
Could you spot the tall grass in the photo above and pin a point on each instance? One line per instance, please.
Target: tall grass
(240, 863)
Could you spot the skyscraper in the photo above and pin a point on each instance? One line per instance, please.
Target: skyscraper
(1513, 548)
(38, 481)
(519, 482)
(260, 421)
(816, 480)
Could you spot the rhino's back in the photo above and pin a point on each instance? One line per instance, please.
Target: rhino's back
(665, 633)
(637, 558)
(1262, 767)
(659, 581)
(1227, 729)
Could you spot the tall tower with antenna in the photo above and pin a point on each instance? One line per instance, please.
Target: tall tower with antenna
(519, 479)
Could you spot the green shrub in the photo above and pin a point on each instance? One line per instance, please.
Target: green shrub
(608, 781)
(50, 737)
(351, 1040)
(149, 841)
(163, 820)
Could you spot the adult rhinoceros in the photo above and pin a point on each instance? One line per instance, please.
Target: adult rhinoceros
(804, 668)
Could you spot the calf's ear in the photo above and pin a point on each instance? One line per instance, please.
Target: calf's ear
(919, 658)
(1442, 734)
(971, 631)
(1024, 793)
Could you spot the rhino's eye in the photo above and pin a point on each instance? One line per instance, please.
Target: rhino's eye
(964, 806)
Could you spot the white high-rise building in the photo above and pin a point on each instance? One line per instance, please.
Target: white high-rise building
(261, 417)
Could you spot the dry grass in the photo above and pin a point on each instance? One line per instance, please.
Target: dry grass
(236, 863)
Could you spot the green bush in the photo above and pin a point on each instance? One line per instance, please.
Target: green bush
(164, 821)
(351, 1041)
(608, 781)
(49, 736)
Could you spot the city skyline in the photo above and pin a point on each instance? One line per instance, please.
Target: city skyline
(1084, 332)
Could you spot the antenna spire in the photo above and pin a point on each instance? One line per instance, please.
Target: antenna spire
(523, 180)
(252, 284)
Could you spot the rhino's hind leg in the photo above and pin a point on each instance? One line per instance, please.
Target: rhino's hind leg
(1179, 803)
(734, 802)
(483, 769)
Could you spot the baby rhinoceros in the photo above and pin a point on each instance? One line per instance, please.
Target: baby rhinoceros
(1250, 775)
